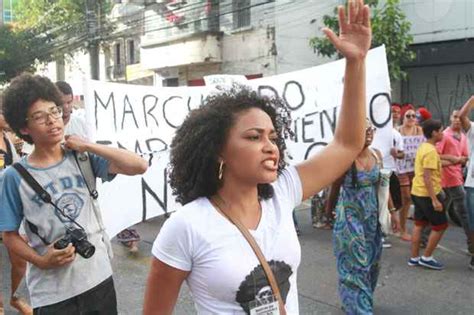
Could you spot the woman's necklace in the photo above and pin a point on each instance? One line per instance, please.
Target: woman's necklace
(222, 207)
(365, 163)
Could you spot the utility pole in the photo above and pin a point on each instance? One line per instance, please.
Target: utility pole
(1, 12)
(93, 37)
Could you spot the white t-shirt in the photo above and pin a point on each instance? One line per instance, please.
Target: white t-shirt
(225, 272)
(397, 143)
(77, 126)
(470, 168)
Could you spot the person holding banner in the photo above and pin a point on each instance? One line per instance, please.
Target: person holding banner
(56, 204)
(412, 136)
(234, 241)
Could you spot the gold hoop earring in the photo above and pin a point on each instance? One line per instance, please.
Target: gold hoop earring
(221, 170)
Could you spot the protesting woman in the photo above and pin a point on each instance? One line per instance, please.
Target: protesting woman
(228, 170)
(357, 233)
(412, 136)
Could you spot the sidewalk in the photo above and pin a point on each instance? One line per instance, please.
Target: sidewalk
(401, 289)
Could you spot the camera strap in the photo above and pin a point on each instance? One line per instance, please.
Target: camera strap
(44, 195)
(38, 189)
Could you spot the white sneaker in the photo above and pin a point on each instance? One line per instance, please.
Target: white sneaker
(385, 243)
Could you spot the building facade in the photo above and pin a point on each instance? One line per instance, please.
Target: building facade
(442, 76)
(177, 43)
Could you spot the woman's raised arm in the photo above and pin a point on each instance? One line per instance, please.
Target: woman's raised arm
(353, 43)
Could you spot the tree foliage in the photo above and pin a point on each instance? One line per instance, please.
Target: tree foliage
(44, 29)
(389, 27)
(19, 49)
(63, 22)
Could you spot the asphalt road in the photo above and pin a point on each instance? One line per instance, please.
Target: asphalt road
(401, 289)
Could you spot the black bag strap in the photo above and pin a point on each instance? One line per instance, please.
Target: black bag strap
(85, 167)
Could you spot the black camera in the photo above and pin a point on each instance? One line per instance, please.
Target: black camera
(78, 238)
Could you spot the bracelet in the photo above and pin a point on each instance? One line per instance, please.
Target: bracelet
(392, 210)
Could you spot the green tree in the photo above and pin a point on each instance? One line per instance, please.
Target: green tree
(19, 50)
(64, 21)
(389, 27)
(67, 25)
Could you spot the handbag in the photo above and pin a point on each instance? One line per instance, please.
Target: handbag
(258, 252)
(383, 191)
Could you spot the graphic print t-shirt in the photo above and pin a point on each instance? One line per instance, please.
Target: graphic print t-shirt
(225, 273)
(68, 190)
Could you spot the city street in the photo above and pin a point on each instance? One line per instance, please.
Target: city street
(401, 289)
(208, 96)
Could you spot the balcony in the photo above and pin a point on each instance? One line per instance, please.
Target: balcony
(172, 22)
(178, 35)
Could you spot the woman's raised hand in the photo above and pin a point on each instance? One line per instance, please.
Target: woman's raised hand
(355, 33)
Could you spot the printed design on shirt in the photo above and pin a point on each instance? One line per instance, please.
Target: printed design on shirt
(71, 204)
(60, 185)
(410, 146)
(256, 287)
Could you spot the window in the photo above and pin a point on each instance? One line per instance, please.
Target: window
(131, 52)
(241, 13)
(117, 54)
(171, 82)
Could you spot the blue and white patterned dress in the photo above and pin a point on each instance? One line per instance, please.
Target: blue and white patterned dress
(358, 240)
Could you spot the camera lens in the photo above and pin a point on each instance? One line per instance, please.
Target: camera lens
(85, 249)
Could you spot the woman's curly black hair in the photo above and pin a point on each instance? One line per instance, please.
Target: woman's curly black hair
(195, 149)
(23, 91)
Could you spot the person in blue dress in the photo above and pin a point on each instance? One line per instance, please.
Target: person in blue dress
(357, 234)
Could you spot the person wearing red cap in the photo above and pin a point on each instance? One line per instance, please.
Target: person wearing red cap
(422, 114)
(396, 114)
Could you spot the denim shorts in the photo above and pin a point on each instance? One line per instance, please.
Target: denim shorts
(470, 206)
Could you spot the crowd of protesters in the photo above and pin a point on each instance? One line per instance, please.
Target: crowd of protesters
(234, 241)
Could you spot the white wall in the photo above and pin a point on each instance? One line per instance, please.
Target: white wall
(440, 20)
(297, 21)
(248, 50)
(76, 67)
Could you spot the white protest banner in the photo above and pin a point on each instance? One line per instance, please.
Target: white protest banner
(224, 79)
(410, 146)
(143, 119)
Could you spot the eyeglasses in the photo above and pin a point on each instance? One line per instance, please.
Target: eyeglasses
(41, 117)
(410, 116)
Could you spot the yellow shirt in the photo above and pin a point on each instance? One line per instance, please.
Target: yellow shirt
(426, 158)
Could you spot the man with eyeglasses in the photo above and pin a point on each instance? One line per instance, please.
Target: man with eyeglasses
(59, 281)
